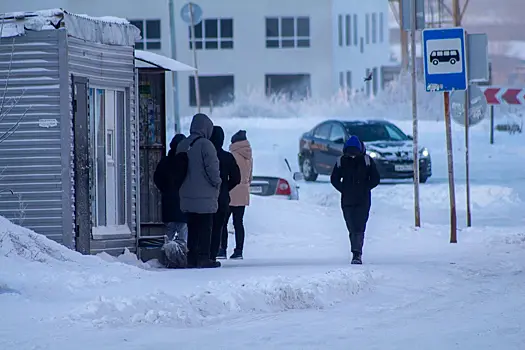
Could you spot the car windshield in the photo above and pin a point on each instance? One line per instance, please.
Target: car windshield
(376, 132)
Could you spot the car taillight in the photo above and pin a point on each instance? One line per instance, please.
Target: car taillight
(283, 188)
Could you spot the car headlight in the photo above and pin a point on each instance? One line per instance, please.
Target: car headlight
(374, 155)
(424, 152)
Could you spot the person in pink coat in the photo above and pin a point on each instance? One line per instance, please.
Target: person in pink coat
(240, 195)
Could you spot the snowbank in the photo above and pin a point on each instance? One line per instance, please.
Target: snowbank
(220, 300)
(104, 290)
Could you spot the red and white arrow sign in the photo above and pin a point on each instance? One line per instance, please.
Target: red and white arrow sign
(504, 96)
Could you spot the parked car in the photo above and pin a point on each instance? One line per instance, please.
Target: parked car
(275, 178)
(390, 148)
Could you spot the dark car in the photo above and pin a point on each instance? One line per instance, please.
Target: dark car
(390, 148)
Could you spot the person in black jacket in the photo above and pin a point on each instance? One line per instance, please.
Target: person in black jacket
(174, 219)
(231, 177)
(354, 176)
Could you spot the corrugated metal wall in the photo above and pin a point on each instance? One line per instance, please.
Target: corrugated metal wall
(111, 67)
(30, 159)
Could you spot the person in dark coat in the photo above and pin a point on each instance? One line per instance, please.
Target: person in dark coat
(354, 176)
(199, 193)
(231, 177)
(174, 219)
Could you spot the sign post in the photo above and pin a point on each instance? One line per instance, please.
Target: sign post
(445, 63)
(415, 150)
(192, 14)
(502, 96)
(467, 161)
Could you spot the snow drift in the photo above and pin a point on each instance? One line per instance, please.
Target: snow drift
(221, 300)
(104, 290)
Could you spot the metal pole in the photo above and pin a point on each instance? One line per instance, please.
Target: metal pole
(450, 161)
(491, 109)
(174, 76)
(403, 38)
(415, 150)
(197, 89)
(467, 162)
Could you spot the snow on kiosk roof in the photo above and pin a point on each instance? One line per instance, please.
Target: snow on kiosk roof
(148, 59)
(104, 30)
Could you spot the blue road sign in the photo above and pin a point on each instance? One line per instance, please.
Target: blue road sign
(444, 58)
(185, 13)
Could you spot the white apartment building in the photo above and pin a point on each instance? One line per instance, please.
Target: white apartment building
(297, 47)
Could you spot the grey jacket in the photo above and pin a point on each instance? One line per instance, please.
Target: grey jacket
(199, 192)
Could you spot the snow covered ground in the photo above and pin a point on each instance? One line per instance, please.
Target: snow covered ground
(295, 289)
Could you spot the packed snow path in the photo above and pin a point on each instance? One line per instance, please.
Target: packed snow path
(295, 289)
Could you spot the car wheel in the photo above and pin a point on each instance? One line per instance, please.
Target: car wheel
(308, 170)
(452, 61)
(435, 62)
(423, 179)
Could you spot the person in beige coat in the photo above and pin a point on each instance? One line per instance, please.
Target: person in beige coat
(240, 195)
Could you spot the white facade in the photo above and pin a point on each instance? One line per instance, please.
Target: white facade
(337, 48)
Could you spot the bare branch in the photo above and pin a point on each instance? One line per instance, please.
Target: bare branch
(8, 72)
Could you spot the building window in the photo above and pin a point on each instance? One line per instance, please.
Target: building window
(349, 81)
(367, 28)
(150, 33)
(348, 32)
(340, 29)
(362, 45)
(214, 90)
(287, 32)
(381, 27)
(291, 86)
(367, 83)
(356, 36)
(341, 80)
(375, 81)
(374, 28)
(213, 34)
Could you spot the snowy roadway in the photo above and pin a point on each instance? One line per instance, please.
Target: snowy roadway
(295, 288)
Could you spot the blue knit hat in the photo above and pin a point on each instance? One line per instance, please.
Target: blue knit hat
(353, 141)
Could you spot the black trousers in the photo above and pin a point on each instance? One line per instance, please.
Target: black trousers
(238, 224)
(220, 221)
(199, 237)
(356, 217)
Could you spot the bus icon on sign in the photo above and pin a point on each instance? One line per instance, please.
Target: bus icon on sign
(442, 56)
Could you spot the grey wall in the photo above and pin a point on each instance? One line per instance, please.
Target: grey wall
(31, 158)
(111, 67)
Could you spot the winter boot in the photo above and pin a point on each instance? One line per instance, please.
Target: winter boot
(237, 255)
(221, 254)
(356, 259)
(208, 264)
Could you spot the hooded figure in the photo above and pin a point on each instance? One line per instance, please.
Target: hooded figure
(231, 177)
(170, 198)
(175, 245)
(199, 192)
(240, 195)
(354, 176)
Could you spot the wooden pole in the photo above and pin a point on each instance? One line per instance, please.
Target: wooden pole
(450, 161)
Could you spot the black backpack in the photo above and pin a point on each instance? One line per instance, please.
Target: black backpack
(166, 180)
